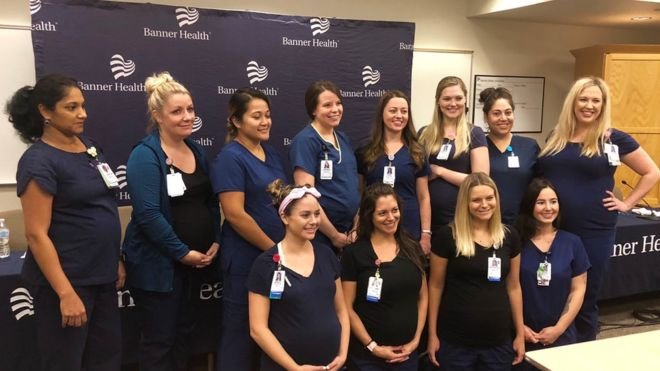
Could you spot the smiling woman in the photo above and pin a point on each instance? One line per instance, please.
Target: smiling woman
(173, 236)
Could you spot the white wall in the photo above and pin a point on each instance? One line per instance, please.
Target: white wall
(500, 47)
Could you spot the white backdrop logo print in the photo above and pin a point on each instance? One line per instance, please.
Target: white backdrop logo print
(186, 16)
(121, 67)
(256, 73)
(35, 6)
(120, 172)
(21, 303)
(319, 25)
(197, 124)
(370, 76)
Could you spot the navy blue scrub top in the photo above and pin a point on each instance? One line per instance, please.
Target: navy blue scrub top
(512, 182)
(235, 169)
(340, 196)
(405, 183)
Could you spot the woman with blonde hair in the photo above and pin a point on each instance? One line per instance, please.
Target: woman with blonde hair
(297, 311)
(475, 304)
(174, 233)
(580, 159)
(393, 156)
(456, 148)
(240, 174)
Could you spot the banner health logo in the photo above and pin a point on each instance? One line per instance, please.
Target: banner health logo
(21, 303)
(370, 76)
(256, 73)
(35, 6)
(121, 176)
(319, 25)
(197, 124)
(186, 16)
(121, 67)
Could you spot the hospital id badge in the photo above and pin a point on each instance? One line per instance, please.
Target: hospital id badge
(444, 152)
(277, 284)
(513, 162)
(108, 176)
(175, 185)
(544, 274)
(326, 169)
(389, 175)
(494, 269)
(612, 153)
(374, 288)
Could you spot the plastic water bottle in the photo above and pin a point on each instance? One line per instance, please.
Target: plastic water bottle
(4, 240)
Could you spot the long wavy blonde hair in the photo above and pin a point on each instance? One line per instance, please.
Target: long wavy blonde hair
(462, 225)
(567, 122)
(433, 135)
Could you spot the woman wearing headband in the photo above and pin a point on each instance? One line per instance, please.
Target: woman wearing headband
(297, 311)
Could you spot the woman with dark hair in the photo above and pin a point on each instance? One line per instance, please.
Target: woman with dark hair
(553, 270)
(512, 157)
(384, 286)
(475, 304)
(580, 158)
(455, 147)
(174, 232)
(240, 174)
(394, 157)
(322, 156)
(67, 192)
(297, 311)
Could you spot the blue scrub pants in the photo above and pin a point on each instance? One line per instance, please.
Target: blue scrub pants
(94, 346)
(454, 357)
(236, 351)
(167, 320)
(368, 362)
(598, 249)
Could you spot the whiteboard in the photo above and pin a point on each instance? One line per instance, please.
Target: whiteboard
(17, 71)
(527, 92)
(429, 67)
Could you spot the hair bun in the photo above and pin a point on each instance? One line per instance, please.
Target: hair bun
(153, 82)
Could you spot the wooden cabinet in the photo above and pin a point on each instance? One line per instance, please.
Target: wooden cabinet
(633, 75)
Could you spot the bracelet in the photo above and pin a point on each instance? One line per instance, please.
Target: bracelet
(427, 231)
(371, 345)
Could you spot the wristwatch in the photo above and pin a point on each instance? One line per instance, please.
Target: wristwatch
(371, 346)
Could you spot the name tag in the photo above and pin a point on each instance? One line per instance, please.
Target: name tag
(109, 177)
(277, 285)
(389, 175)
(513, 161)
(444, 152)
(175, 185)
(326, 169)
(494, 269)
(612, 153)
(374, 288)
(544, 274)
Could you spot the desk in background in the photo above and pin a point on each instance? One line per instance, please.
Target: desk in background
(630, 352)
(18, 332)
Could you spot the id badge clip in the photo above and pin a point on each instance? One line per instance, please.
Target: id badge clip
(513, 161)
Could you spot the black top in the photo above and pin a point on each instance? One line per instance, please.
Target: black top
(392, 320)
(191, 218)
(475, 311)
(304, 320)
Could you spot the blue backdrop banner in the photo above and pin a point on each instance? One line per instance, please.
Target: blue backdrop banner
(111, 47)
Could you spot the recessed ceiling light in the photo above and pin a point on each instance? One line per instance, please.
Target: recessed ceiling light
(641, 18)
